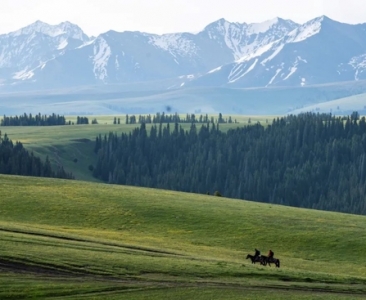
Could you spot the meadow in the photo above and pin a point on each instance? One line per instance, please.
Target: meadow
(86, 240)
(83, 240)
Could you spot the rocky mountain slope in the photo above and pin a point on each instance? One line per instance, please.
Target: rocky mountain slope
(319, 51)
(272, 53)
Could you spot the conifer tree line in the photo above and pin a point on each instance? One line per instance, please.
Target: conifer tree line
(117, 120)
(84, 120)
(41, 120)
(310, 160)
(175, 118)
(15, 160)
(36, 120)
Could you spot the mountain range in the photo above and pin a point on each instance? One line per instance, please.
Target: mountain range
(275, 53)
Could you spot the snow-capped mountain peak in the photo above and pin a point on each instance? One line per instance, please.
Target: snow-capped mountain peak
(31, 47)
(306, 30)
(244, 39)
(270, 53)
(319, 51)
(176, 44)
(65, 28)
(256, 28)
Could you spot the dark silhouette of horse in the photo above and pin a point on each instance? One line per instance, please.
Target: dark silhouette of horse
(273, 260)
(255, 259)
(264, 259)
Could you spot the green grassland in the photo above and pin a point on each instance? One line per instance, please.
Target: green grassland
(81, 240)
(65, 144)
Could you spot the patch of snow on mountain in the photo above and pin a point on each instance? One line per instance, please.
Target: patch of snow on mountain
(230, 35)
(305, 31)
(102, 53)
(232, 38)
(238, 73)
(86, 44)
(237, 70)
(359, 64)
(214, 70)
(174, 44)
(293, 69)
(302, 59)
(358, 61)
(190, 76)
(257, 28)
(273, 55)
(43, 65)
(274, 77)
(63, 44)
(237, 38)
(258, 52)
(116, 62)
(23, 75)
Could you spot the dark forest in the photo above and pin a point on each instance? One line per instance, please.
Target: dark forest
(310, 160)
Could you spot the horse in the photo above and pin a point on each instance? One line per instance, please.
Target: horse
(276, 261)
(255, 259)
(264, 259)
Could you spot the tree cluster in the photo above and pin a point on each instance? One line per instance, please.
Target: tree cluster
(42, 120)
(15, 160)
(175, 118)
(116, 121)
(83, 120)
(36, 120)
(310, 160)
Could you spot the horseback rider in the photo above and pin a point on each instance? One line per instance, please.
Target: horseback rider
(257, 253)
(270, 254)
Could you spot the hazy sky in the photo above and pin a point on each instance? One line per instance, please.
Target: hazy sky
(164, 16)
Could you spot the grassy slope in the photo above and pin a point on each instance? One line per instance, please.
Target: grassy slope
(344, 105)
(102, 241)
(65, 143)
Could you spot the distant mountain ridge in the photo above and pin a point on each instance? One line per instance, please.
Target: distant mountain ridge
(24, 51)
(276, 52)
(319, 51)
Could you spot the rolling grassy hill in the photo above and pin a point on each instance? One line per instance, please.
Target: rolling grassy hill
(342, 106)
(81, 240)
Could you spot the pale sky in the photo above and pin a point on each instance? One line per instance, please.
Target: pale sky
(166, 16)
